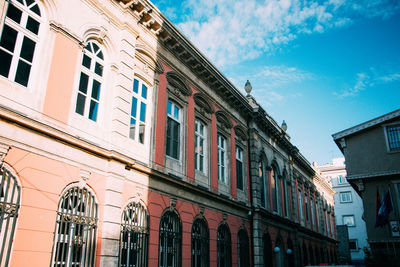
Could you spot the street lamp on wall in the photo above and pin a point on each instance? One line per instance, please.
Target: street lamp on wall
(277, 249)
(289, 251)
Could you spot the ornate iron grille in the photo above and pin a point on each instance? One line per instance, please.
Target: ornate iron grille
(9, 205)
(224, 249)
(200, 244)
(75, 229)
(134, 236)
(243, 248)
(170, 240)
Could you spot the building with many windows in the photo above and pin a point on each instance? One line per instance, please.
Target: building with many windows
(349, 209)
(371, 150)
(122, 145)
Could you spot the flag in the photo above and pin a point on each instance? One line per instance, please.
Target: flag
(378, 202)
(386, 207)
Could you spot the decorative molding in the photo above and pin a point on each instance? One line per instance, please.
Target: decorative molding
(63, 30)
(223, 118)
(241, 132)
(372, 175)
(84, 174)
(202, 101)
(178, 83)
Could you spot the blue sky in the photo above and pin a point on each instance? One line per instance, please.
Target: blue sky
(322, 66)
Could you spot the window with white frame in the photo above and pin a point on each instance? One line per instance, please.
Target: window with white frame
(393, 137)
(221, 158)
(137, 123)
(91, 78)
(348, 220)
(239, 168)
(199, 145)
(264, 185)
(345, 197)
(275, 190)
(173, 130)
(19, 39)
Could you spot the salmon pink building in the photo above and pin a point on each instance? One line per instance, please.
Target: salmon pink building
(122, 145)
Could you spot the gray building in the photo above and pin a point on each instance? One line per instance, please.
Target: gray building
(349, 211)
(372, 153)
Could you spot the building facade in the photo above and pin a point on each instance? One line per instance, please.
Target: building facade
(371, 150)
(349, 209)
(122, 145)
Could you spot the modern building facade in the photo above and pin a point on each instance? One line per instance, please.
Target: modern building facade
(349, 209)
(372, 153)
(122, 145)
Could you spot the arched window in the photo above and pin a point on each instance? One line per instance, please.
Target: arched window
(200, 243)
(290, 253)
(243, 248)
(75, 236)
(19, 39)
(267, 250)
(10, 195)
(224, 249)
(134, 236)
(91, 78)
(275, 182)
(279, 253)
(170, 240)
(137, 122)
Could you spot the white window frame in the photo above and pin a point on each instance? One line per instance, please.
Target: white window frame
(341, 179)
(239, 158)
(200, 135)
(345, 197)
(177, 119)
(389, 137)
(139, 133)
(221, 158)
(22, 32)
(92, 76)
(344, 217)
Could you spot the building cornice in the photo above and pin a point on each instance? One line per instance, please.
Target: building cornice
(365, 125)
(175, 42)
(372, 175)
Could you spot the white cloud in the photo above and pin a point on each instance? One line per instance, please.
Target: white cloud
(229, 31)
(279, 75)
(366, 80)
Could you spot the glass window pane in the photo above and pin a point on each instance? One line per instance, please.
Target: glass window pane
(169, 108)
(100, 55)
(93, 110)
(32, 25)
(98, 69)
(5, 60)
(95, 47)
(14, 13)
(86, 61)
(134, 107)
(135, 86)
(132, 128)
(22, 75)
(28, 48)
(96, 90)
(144, 91)
(80, 104)
(142, 112)
(8, 38)
(83, 83)
(176, 112)
(141, 133)
(36, 9)
(29, 2)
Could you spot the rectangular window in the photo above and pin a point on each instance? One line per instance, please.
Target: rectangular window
(312, 212)
(301, 207)
(348, 220)
(307, 208)
(393, 135)
(353, 244)
(173, 130)
(199, 143)
(345, 197)
(239, 168)
(263, 187)
(138, 111)
(221, 158)
(341, 180)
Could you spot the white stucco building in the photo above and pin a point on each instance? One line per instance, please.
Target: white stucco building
(348, 208)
